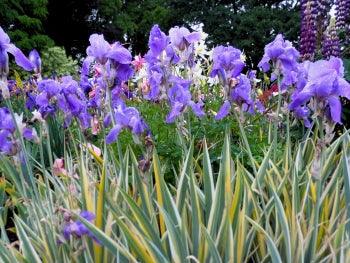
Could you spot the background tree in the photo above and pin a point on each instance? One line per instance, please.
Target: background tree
(23, 21)
(70, 22)
(248, 25)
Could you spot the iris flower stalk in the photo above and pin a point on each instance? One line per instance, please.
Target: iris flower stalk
(284, 58)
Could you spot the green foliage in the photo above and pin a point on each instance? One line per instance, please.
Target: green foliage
(292, 209)
(132, 19)
(23, 21)
(56, 62)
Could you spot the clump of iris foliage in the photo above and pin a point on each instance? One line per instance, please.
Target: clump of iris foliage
(182, 154)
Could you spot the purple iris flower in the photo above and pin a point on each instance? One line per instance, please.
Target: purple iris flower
(240, 94)
(156, 78)
(77, 228)
(227, 63)
(181, 37)
(7, 47)
(121, 58)
(72, 101)
(99, 48)
(125, 118)
(48, 89)
(223, 111)
(303, 113)
(171, 55)
(30, 101)
(158, 41)
(284, 57)
(326, 84)
(8, 142)
(35, 59)
(116, 59)
(180, 97)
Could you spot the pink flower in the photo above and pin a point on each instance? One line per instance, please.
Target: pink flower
(94, 149)
(58, 168)
(138, 62)
(95, 126)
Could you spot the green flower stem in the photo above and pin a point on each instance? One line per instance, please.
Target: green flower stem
(246, 144)
(29, 170)
(319, 182)
(109, 103)
(275, 132)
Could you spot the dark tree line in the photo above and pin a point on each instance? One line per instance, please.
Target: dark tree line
(248, 25)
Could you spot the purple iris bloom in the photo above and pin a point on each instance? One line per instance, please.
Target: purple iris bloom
(72, 102)
(180, 97)
(155, 74)
(240, 94)
(223, 111)
(48, 89)
(7, 47)
(303, 113)
(125, 118)
(227, 63)
(77, 228)
(6, 121)
(35, 59)
(30, 101)
(121, 58)
(8, 142)
(116, 59)
(181, 37)
(6, 145)
(325, 83)
(284, 57)
(171, 55)
(158, 41)
(99, 48)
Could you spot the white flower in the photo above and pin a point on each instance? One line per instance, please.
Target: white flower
(198, 77)
(37, 116)
(19, 121)
(4, 89)
(213, 81)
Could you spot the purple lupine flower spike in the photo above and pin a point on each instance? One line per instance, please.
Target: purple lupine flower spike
(308, 29)
(330, 43)
(343, 18)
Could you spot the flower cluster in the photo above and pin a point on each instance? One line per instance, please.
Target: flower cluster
(172, 71)
(342, 13)
(330, 43)
(169, 60)
(284, 58)
(308, 29)
(323, 84)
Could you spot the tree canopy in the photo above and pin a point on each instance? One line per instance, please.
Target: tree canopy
(24, 22)
(248, 25)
